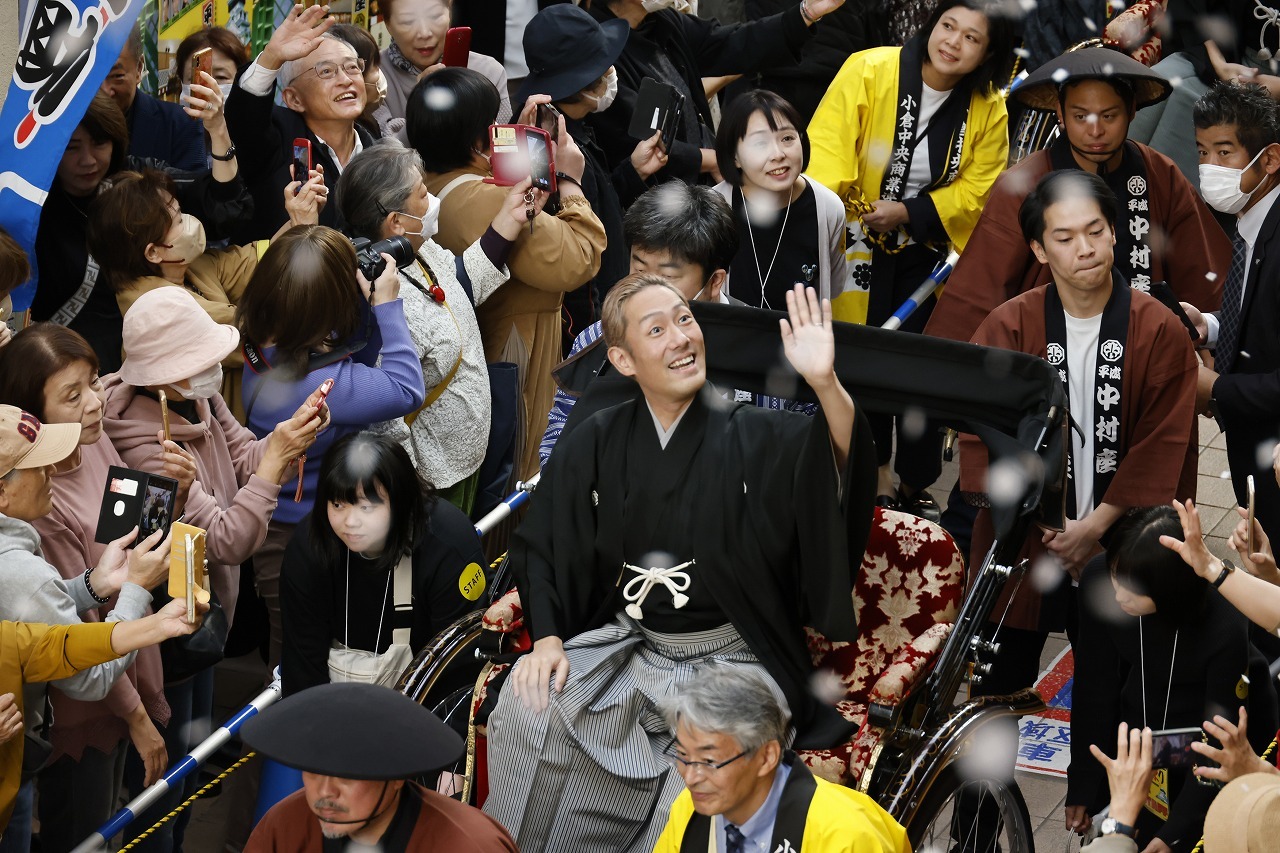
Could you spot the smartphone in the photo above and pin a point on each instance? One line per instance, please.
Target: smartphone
(519, 152)
(325, 388)
(548, 118)
(1172, 747)
(658, 107)
(301, 161)
(457, 47)
(201, 60)
(1252, 513)
(164, 414)
(187, 577)
(135, 499)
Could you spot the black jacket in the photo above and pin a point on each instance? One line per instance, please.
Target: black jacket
(162, 131)
(313, 596)
(263, 134)
(1248, 398)
(697, 49)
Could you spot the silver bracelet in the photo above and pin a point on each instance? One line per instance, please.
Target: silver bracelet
(805, 13)
(89, 587)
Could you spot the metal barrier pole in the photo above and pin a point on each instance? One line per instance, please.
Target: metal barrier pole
(509, 504)
(179, 771)
(923, 292)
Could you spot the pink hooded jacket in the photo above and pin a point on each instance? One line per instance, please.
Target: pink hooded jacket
(227, 499)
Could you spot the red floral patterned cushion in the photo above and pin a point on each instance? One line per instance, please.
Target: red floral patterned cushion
(907, 594)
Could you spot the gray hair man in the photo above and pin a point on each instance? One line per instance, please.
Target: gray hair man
(321, 81)
(743, 791)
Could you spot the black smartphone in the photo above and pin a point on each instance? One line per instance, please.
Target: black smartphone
(1172, 747)
(548, 118)
(658, 107)
(135, 498)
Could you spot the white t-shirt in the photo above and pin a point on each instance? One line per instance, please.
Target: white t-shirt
(1082, 357)
(920, 175)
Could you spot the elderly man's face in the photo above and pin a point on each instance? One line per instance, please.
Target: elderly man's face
(341, 97)
(121, 83)
(349, 803)
(735, 790)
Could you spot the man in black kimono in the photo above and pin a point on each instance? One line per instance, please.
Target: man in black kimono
(668, 530)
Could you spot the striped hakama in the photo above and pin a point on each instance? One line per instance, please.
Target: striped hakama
(588, 775)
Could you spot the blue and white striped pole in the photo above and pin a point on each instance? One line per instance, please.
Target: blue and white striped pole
(923, 292)
(189, 763)
(509, 504)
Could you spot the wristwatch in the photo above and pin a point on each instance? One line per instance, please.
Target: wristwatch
(1111, 826)
(1227, 568)
(230, 155)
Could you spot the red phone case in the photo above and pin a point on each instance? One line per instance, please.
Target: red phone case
(457, 47)
(302, 164)
(510, 155)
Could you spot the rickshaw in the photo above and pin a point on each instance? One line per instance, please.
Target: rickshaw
(917, 735)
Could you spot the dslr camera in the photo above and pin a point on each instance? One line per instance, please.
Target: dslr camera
(369, 255)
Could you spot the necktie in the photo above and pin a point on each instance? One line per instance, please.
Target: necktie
(1229, 316)
(735, 841)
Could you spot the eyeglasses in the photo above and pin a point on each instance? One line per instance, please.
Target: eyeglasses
(683, 765)
(353, 68)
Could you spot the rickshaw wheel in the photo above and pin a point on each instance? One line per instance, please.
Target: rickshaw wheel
(962, 815)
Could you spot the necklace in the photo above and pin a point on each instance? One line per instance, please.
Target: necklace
(1142, 670)
(746, 211)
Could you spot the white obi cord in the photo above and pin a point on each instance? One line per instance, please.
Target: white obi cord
(675, 579)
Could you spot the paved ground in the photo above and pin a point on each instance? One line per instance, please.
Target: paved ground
(239, 680)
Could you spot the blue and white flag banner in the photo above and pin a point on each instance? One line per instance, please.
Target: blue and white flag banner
(66, 49)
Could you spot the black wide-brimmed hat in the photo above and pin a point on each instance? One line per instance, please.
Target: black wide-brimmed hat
(567, 50)
(354, 731)
(1040, 90)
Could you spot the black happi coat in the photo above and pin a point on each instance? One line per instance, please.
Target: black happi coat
(772, 537)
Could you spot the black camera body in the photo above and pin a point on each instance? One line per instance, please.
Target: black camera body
(369, 255)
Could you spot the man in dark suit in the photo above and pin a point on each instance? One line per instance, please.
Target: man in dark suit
(1238, 138)
(156, 129)
(322, 86)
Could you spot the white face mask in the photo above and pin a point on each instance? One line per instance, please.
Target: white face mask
(1220, 186)
(204, 385)
(430, 220)
(600, 103)
(185, 97)
(659, 5)
(189, 244)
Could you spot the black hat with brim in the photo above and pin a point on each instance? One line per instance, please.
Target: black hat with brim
(567, 50)
(1040, 90)
(354, 731)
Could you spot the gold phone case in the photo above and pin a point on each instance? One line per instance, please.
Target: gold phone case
(187, 577)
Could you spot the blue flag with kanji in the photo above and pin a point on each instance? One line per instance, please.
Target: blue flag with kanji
(66, 49)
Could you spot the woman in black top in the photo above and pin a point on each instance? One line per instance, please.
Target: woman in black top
(371, 509)
(1157, 647)
(791, 229)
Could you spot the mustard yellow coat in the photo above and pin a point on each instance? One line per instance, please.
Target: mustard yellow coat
(851, 140)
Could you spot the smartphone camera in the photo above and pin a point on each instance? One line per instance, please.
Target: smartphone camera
(369, 254)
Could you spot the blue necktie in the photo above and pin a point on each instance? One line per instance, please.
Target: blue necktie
(1229, 316)
(735, 841)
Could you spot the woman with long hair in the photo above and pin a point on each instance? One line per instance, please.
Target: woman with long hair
(378, 570)
(912, 139)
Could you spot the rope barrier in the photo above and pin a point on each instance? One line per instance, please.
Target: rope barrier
(188, 801)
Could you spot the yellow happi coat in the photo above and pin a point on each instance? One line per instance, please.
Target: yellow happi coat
(852, 139)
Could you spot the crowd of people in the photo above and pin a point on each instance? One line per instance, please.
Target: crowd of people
(309, 297)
